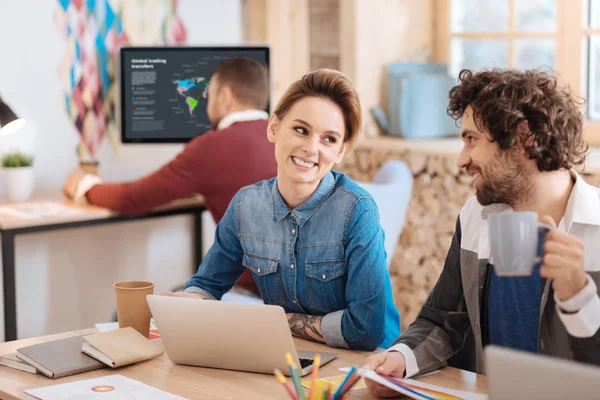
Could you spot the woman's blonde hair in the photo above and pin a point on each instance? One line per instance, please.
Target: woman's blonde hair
(328, 84)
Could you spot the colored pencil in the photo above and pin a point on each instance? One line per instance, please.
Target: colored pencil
(295, 376)
(336, 395)
(315, 376)
(346, 388)
(286, 384)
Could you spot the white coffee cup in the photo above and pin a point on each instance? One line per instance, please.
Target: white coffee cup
(514, 242)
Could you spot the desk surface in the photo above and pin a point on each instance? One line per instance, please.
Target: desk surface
(90, 212)
(206, 383)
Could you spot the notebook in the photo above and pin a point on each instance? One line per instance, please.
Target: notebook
(11, 360)
(59, 358)
(121, 347)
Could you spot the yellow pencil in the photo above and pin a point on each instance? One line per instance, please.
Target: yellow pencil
(286, 384)
(315, 376)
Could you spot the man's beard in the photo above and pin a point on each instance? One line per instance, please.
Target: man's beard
(505, 179)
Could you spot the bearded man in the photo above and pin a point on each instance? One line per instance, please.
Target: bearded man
(522, 135)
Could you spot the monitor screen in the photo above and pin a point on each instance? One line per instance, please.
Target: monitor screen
(163, 90)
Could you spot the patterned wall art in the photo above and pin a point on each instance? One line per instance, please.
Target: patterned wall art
(94, 30)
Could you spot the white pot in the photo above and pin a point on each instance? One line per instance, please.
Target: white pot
(19, 183)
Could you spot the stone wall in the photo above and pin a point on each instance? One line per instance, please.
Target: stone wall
(440, 189)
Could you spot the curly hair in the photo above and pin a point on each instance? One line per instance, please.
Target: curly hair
(502, 99)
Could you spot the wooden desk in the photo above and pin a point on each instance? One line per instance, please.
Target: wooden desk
(10, 226)
(206, 383)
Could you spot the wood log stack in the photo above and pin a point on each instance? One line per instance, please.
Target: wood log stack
(592, 179)
(440, 190)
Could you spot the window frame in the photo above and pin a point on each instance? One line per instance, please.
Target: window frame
(571, 33)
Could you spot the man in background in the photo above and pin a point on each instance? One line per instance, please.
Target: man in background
(216, 164)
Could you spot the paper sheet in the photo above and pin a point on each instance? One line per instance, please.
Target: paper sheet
(335, 381)
(111, 387)
(39, 210)
(107, 326)
(420, 390)
(113, 326)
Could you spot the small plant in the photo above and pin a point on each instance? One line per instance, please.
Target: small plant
(16, 160)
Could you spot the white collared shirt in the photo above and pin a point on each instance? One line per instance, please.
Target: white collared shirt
(581, 313)
(239, 116)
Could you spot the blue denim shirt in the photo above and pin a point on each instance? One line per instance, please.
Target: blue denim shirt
(325, 257)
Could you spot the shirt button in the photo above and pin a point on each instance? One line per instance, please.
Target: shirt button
(293, 231)
(292, 266)
(324, 276)
(258, 270)
(294, 301)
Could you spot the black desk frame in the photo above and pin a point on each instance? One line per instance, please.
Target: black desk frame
(8, 251)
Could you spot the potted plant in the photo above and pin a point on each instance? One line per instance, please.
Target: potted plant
(19, 177)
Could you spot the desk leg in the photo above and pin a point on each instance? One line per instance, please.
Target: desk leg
(197, 241)
(9, 282)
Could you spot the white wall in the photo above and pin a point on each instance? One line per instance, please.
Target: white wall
(64, 278)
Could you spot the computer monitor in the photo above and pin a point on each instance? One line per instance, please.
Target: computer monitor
(163, 90)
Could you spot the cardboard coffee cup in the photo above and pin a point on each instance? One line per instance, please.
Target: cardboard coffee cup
(132, 308)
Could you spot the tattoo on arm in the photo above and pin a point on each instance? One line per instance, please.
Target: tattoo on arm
(306, 326)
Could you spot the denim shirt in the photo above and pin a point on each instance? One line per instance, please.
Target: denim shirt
(325, 257)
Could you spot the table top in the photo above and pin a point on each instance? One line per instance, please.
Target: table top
(207, 383)
(82, 212)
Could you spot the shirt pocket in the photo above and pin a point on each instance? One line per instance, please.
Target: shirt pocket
(267, 277)
(327, 284)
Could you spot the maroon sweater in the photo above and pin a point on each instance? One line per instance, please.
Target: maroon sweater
(216, 164)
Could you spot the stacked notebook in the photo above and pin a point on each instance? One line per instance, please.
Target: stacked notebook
(59, 358)
(80, 354)
(11, 360)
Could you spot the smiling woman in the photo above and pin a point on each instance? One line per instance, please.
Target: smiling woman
(311, 236)
(311, 131)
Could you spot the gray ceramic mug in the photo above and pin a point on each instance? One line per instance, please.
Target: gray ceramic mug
(514, 242)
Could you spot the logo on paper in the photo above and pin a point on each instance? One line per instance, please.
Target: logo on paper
(103, 389)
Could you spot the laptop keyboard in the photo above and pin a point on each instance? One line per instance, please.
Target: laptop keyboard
(305, 362)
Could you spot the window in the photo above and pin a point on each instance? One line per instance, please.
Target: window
(502, 33)
(592, 48)
(557, 35)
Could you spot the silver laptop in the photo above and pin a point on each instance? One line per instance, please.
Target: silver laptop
(237, 336)
(516, 375)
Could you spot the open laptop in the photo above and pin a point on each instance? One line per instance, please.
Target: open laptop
(516, 375)
(237, 336)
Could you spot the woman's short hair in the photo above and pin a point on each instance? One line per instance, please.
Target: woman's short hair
(328, 84)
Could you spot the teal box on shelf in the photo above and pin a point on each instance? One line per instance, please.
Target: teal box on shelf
(418, 99)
